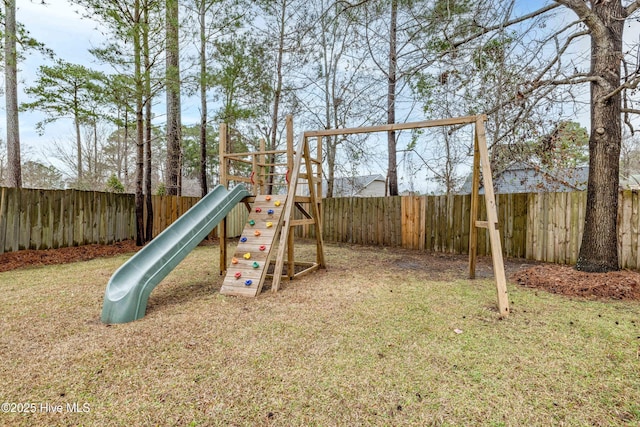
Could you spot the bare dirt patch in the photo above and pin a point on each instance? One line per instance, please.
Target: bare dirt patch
(558, 279)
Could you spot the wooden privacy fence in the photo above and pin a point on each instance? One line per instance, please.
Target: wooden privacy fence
(541, 226)
(167, 209)
(537, 226)
(432, 223)
(45, 219)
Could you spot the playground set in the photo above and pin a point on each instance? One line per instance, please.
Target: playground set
(267, 241)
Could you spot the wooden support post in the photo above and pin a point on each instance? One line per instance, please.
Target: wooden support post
(492, 219)
(255, 174)
(287, 216)
(319, 195)
(291, 264)
(318, 165)
(263, 170)
(315, 208)
(475, 203)
(290, 154)
(222, 227)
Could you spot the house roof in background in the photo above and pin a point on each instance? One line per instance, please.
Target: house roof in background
(351, 186)
(346, 186)
(524, 177)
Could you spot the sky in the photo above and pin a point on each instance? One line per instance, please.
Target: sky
(61, 28)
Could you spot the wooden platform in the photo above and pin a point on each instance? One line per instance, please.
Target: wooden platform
(258, 247)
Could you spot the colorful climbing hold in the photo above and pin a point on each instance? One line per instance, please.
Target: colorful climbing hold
(248, 283)
(277, 203)
(252, 222)
(269, 224)
(234, 260)
(262, 247)
(243, 239)
(258, 210)
(255, 264)
(238, 275)
(267, 198)
(247, 256)
(257, 232)
(270, 211)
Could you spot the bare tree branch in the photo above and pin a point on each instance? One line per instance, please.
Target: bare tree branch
(586, 14)
(633, 7)
(630, 84)
(561, 51)
(351, 5)
(572, 80)
(485, 30)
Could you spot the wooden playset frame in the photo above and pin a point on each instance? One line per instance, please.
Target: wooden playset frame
(301, 165)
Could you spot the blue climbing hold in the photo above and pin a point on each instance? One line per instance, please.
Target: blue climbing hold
(248, 283)
(243, 239)
(270, 211)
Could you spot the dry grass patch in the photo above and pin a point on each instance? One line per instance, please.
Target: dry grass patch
(370, 341)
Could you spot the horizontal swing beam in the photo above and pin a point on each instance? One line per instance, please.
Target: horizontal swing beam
(255, 153)
(391, 127)
(250, 162)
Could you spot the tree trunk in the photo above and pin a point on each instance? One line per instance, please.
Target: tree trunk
(126, 148)
(331, 165)
(277, 94)
(203, 101)
(78, 152)
(392, 167)
(140, 232)
(329, 108)
(173, 98)
(119, 148)
(148, 235)
(14, 170)
(599, 249)
(95, 149)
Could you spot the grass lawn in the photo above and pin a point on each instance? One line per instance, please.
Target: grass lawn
(380, 338)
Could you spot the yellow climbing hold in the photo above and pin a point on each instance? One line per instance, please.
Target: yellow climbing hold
(276, 203)
(269, 224)
(247, 255)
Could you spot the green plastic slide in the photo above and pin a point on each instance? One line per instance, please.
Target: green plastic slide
(128, 290)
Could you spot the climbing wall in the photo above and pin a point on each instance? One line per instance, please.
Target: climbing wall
(248, 268)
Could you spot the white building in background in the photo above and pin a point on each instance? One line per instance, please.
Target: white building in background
(356, 186)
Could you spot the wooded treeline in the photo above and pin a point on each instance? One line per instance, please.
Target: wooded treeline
(330, 64)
